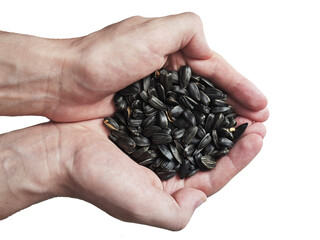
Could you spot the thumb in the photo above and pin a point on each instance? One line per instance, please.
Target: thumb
(174, 211)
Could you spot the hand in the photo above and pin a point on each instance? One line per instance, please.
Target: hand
(78, 160)
(86, 165)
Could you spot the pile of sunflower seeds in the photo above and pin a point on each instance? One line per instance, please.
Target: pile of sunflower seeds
(174, 122)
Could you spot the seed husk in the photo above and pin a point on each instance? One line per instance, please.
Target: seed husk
(161, 92)
(148, 121)
(206, 82)
(218, 120)
(185, 102)
(204, 99)
(149, 131)
(134, 122)
(177, 133)
(152, 92)
(188, 115)
(141, 141)
(225, 142)
(201, 132)
(220, 109)
(161, 138)
(189, 134)
(126, 143)
(208, 162)
(166, 175)
(240, 130)
(204, 141)
(176, 111)
(163, 121)
(188, 151)
(208, 149)
(215, 138)
(184, 76)
(194, 91)
(181, 123)
(138, 152)
(119, 102)
(175, 153)
(156, 103)
(167, 165)
(111, 123)
(184, 169)
(165, 151)
(131, 89)
(209, 122)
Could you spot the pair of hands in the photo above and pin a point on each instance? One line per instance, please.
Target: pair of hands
(72, 155)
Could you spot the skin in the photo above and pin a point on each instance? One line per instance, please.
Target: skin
(72, 82)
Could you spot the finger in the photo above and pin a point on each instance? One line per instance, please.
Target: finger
(259, 116)
(181, 31)
(171, 212)
(228, 79)
(244, 151)
(240, 156)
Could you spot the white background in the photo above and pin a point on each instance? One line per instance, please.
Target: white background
(275, 44)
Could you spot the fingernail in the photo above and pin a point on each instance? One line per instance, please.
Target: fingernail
(201, 200)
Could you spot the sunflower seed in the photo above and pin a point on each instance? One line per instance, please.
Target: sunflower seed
(239, 130)
(194, 91)
(184, 169)
(184, 76)
(165, 151)
(161, 138)
(174, 123)
(162, 118)
(208, 162)
(176, 111)
(111, 123)
(156, 103)
(189, 134)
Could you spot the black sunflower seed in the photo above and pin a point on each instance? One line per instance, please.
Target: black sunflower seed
(149, 131)
(176, 111)
(131, 89)
(188, 115)
(204, 141)
(156, 103)
(177, 133)
(141, 141)
(163, 121)
(184, 76)
(165, 151)
(175, 153)
(174, 123)
(161, 138)
(239, 130)
(189, 134)
(208, 162)
(225, 142)
(194, 91)
(184, 169)
(111, 123)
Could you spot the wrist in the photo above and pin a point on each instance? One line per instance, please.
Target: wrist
(30, 170)
(31, 70)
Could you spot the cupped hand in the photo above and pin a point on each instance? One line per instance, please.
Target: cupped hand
(123, 53)
(98, 172)
(120, 54)
(91, 167)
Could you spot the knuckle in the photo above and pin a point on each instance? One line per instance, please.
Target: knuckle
(194, 17)
(179, 225)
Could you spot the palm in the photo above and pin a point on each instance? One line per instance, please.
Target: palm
(100, 168)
